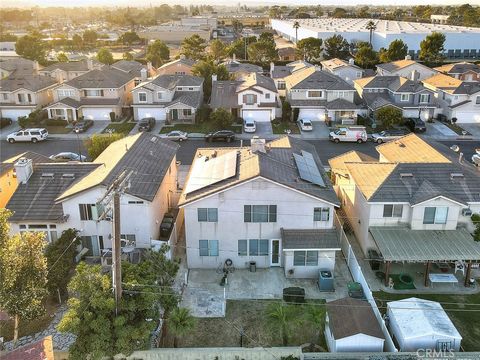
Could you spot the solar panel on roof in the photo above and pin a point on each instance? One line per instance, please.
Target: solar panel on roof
(308, 169)
(209, 171)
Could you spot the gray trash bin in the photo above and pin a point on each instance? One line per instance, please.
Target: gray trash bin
(253, 266)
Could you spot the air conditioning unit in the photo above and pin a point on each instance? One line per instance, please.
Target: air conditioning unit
(467, 212)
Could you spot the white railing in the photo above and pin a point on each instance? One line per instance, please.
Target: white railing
(357, 275)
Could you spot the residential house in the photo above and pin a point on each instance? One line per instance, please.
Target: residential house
(464, 71)
(18, 66)
(22, 94)
(254, 97)
(405, 68)
(286, 53)
(351, 326)
(240, 70)
(346, 70)
(413, 204)
(318, 95)
(279, 72)
(65, 71)
(180, 66)
(53, 197)
(172, 98)
(95, 95)
(414, 99)
(270, 203)
(458, 99)
(135, 68)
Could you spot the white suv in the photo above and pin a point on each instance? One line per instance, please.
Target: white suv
(33, 135)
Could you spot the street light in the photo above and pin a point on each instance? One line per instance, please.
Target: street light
(78, 140)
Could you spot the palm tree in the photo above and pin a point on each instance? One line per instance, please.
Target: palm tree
(180, 323)
(371, 27)
(296, 25)
(315, 316)
(280, 317)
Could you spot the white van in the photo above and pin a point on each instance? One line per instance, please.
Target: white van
(349, 134)
(249, 126)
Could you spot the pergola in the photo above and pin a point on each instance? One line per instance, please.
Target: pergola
(401, 244)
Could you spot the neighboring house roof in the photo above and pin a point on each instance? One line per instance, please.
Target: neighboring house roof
(29, 82)
(280, 71)
(107, 77)
(396, 65)
(234, 66)
(255, 79)
(182, 61)
(224, 94)
(303, 239)
(129, 66)
(81, 65)
(147, 155)
(369, 176)
(38, 350)
(348, 317)
(451, 85)
(391, 82)
(310, 78)
(276, 164)
(18, 66)
(335, 63)
(459, 68)
(67, 101)
(171, 81)
(7, 165)
(190, 98)
(337, 104)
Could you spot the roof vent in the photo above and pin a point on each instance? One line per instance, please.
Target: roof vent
(454, 176)
(406, 175)
(154, 139)
(47, 175)
(68, 176)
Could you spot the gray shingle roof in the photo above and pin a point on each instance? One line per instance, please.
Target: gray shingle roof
(224, 94)
(19, 66)
(190, 98)
(323, 80)
(394, 83)
(255, 79)
(172, 81)
(341, 104)
(107, 77)
(35, 200)
(66, 101)
(464, 67)
(280, 71)
(235, 66)
(35, 157)
(81, 65)
(301, 239)
(30, 82)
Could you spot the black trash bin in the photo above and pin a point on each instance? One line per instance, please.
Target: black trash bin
(253, 266)
(375, 259)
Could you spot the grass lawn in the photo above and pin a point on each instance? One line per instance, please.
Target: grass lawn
(58, 129)
(466, 322)
(251, 316)
(202, 128)
(279, 127)
(123, 127)
(29, 327)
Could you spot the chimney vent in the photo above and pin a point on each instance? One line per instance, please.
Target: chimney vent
(23, 170)
(257, 144)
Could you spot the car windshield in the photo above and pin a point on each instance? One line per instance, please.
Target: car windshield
(43, 132)
(248, 124)
(339, 132)
(306, 122)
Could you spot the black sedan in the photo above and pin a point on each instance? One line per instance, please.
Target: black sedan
(416, 125)
(221, 135)
(83, 126)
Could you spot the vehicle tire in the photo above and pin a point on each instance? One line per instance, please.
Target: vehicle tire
(336, 141)
(11, 141)
(359, 141)
(34, 140)
(379, 141)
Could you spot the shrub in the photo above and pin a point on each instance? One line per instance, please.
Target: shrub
(286, 111)
(55, 122)
(23, 122)
(389, 116)
(203, 113)
(97, 143)
(475, 218)
(476, 233)
(221, 118)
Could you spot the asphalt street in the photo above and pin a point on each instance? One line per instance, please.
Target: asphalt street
(325, 148)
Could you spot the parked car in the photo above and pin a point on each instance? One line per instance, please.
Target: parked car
(387, 135)
(221, 135)
(82, 126)
(349, 134)
(416, 125)
(146, 124)
(33, 135)
(249, 126)
(68, 156)
(177, 135)
(5, 122)
(305, 125)
(167, 225)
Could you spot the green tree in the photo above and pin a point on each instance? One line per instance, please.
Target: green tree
(31, 47)
(60, 256)
(61, 57)
(90, 37)
(281, 318)
(266, 37)
(336, 46)
(98, 142)
(180, 323)
(296, 26)
(105, 56)
(238, 47)
(193, 47)
(432, 48)
(127, 56)
(397, 50)
(157, 53)
(262, 52)
(205, 69)
(339, 13)
(286, 111)
(23, 274)
(221, 118)
(217, 50)
(129, 38)
(366, 57)
(388, 116)
(77, 42)
(309, 49)
(371, 27)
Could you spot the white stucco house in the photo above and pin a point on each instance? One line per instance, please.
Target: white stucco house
(406, 68)
(254, 204)
(346, 70)
(53, 197)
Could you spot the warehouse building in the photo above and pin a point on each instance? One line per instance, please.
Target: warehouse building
(461, 42)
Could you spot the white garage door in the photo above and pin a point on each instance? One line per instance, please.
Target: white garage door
(468, 117)
(410, 113)
(97, 113)
(257, 115)
(14, 114)
(157, 113)
(311, 114)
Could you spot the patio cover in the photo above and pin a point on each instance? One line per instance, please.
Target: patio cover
(404, 244)
(307, 239)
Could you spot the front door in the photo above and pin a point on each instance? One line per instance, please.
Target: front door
(174, 114)
(275, 254)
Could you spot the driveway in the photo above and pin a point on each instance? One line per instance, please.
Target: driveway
(158, 126)
(438, 130)
(473, 129)
(320, 131)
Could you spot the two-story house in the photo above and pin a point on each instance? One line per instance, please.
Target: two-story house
(22, 94)
(53, 197)
(458, 99)
(413, 204)
(239, 70)
(171, 98)
(410, 96)
(65, 71)
(254, 97)
(270, 203)
(279, 73)
(406, 68)
(182, 66)
(95, 95)
(18, 66)
(346, 70)
(464, 71)
(318, 95)
(136, 69)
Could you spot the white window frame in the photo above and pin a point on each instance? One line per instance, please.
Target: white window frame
(306, 254)
(404, 97)
(249, 96)
(439, 210)
(207, 214)
(160, 95)
(212, 250)
(314, 97)
(421, 101)
(397, 211)
(93, 93)
(324, 213)
(139, 97)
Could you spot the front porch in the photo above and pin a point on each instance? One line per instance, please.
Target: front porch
(62, 113)
(181, 116)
